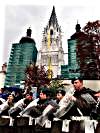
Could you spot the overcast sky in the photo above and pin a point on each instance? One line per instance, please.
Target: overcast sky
(18, 16)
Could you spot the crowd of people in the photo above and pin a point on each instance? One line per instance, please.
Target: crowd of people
(78, 101)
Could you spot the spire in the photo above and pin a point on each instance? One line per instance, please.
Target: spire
(29, 32)
(78, 27)
(53, 18)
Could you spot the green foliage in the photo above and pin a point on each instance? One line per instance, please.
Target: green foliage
(54, 85)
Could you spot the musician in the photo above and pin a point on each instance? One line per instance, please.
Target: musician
(83, 101)
(51, 108)
(60, 93)
(54, 104)
(36, 107)
(6, 105)
(20, 105)
(83, 98)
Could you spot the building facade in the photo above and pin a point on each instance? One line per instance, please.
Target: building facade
(72, 69)
(22, 54)
(83, 59)
(51, 54)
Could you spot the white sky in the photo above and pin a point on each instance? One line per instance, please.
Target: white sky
(16, 16)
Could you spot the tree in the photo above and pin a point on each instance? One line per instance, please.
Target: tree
(36, 77)
(88, 51)
(54, 85)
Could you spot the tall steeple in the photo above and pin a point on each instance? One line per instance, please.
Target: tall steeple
(51, 53)
(53, 18)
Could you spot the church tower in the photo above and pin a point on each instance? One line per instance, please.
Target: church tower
(73, 69)
(51, 54)
(22, 54)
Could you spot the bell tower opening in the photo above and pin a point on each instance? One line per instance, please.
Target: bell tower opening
(51, 32)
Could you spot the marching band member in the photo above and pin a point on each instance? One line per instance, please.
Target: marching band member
(51, 108)
(20, 105)
(27, 110)
(36, 107)
(6, 105)
(63, 102)
(83, 98)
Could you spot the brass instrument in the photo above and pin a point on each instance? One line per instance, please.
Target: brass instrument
(65, 104)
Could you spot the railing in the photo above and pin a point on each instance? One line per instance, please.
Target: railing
(26, 124)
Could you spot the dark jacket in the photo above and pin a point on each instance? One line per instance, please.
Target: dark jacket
(85, 100)
(37, 110)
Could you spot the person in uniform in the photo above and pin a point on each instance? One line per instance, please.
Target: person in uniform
(20, 105)
(84, 101)
(6, 105)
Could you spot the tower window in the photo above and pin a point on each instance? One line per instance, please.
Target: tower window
(51, 32)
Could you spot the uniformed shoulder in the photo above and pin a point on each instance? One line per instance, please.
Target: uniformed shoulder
(90, 91)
